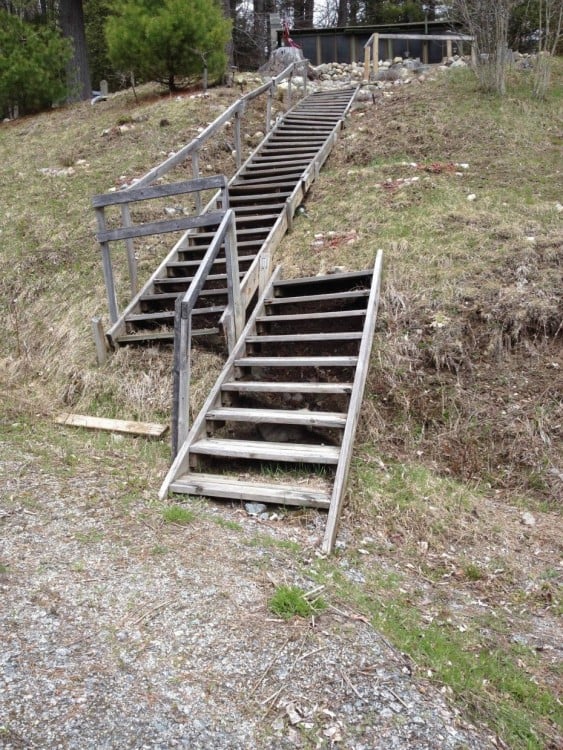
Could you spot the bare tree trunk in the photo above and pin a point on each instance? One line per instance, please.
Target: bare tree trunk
(487, 22)
(550, 28)
(71, 18)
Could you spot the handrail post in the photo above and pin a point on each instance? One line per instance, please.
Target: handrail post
(182, 349)
(367, 55)
(238, 146)
(233, 284)
(290, 78)
(269, 109)
(375, 53)
(107, 268)
(131, 260)
(195, 173)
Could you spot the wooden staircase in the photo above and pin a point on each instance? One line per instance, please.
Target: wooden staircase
(279, 424)
(264, 194)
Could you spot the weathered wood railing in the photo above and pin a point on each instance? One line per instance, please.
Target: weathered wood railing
(233, 317)
(129, 231)
(371, 47)
(191, 150)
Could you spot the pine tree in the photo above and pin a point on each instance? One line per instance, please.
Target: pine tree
(167, 40)
(32, 66)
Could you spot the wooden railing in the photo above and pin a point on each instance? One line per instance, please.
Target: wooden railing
(233, 113)
(233, 317)
(371, 47)
(129, 231)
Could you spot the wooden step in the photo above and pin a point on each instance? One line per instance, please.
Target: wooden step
(194, 264)
(231, 488)
(168, 315)
(263, 386)
(164, 296)
(167, 336)
(301, 417)
(339, 280)
(185, 281)
(304, 337)
(359, 294)
(296, 362)
(267, 451)
(294, 317)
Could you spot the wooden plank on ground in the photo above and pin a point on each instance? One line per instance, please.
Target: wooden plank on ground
(148, 429)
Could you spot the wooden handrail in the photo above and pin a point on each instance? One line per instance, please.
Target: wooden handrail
(129, 231)
(183, 322)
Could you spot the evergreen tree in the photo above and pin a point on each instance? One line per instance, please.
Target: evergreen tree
(32, 65)
(167, 40)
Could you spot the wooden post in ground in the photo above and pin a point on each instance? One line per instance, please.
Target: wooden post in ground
(367, 55)
(100, 340)
(181, 403)
(233, 286)
(107, 267)
(375, 53)
(448, 48)
(269, 109)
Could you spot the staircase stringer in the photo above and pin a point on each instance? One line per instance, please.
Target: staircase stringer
(181, 463)
(360, 377)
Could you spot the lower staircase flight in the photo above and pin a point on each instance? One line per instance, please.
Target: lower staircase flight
(279, 424)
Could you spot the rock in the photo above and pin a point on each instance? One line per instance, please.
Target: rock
(397, 60)
(527, 519)
(255, 509)
(471, 197)
(458, 64)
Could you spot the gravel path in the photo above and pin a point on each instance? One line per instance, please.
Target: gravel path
(120, 631)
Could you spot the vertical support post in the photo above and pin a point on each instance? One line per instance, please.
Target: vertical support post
(390, 49)
(425, 56)
(289, 87)
(264, 271)
(131, 260)
(474, 54)
(181, 398)
(195, 173)
(448, 48)
(353, 49)
(269, 109)
(107, 268)
(375, 53)
(238, 146)
(305, 71)
(289, 216)
(233, 285)
(318, 49)
(100, 340)
(367, 67)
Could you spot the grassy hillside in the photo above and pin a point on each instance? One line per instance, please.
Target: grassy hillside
(452, 523)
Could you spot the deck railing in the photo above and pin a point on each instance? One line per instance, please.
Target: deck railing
(371, 47)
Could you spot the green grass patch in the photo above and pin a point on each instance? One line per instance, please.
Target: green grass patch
(178, 515)
(292, 601)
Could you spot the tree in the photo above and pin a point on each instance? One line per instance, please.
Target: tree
(166, 40)
(32, 66)
(550, 19)
(71, 19)
(487, 21)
